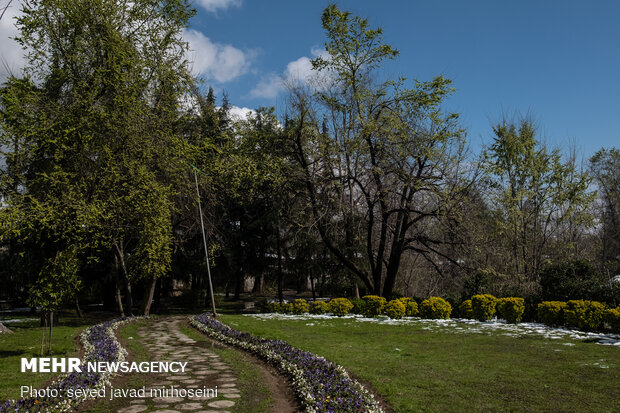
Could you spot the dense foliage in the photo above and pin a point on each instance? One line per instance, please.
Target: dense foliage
(364, 187)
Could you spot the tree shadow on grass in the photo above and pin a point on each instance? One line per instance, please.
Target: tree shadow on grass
(11, 353)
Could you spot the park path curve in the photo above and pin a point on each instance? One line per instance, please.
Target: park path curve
(165, 341)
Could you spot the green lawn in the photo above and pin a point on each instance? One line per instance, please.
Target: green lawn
(26, 342)
(255, 396)
(440, 371)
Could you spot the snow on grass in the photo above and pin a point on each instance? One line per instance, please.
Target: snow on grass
(459, 326)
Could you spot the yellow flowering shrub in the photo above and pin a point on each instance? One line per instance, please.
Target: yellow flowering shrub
(300, 306)
(435, 307)
(374, 305)
(612, 317)
(511, 309)
(583, 314)
(483, 306)
(319, 307)
(411, 307)
(551, 313)
(395, 309)
(339, 306)
(465, 310)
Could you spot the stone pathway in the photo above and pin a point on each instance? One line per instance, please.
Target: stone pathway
(204, 370)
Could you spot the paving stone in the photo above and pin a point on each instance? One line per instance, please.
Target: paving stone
(225, 379)
(213, 411)
(168, 399)
(228, 385)
(189, 406)
(221, 404)
(232, 396)
(132, 409)
(228, 391)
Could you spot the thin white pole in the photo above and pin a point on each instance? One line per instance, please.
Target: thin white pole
(204, 240)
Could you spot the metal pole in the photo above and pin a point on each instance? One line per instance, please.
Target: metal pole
(204, 240)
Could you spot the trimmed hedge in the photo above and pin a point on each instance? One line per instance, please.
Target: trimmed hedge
(339, 306)
(511, 309)
(586, 315)
(465, 310)
(551, 313)
(319, 307)
(435, 307)
(374, 305)
(612, 317)
(411, 307)
(483, 306)
(395, 309)
(358, 305)
(300, 306)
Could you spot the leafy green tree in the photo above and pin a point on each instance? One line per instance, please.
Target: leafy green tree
(535, 194)
(381, 163)
(99, 152)
(605, 169)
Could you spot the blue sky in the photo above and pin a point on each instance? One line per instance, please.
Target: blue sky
(559, 61)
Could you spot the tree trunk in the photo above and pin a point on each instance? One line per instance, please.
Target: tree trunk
(238, 283)
(120, 254)
(312, 288)
(119, 300)
(49, 342)
(77, 307)
(157, 298)
(46, 316)
(280, 275)
(43, 332)
(259, 282)
(148, 298)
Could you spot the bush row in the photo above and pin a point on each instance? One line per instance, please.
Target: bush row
(369, 306)
(585, 315)
(582, 314)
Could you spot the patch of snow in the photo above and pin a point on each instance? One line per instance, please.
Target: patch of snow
(17, 320)
(461, 326)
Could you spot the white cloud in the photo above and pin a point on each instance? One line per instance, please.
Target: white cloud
(221, 62)
(12, 59)
(297, 71)
(238, 113)
(268, 87)
(214, 6)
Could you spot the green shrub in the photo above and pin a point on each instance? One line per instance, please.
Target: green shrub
(358, 305)
(374, 305)
(300, 306)
(585, 315)
(286, 308)
(465, 310)
(612, 317)
(435, 307)
(511, 309)
(273, 307)
(569, 280)
(395, 309)
(319, 307)
(411, 307)
(551, 313)
(483, 306)
(340, 306)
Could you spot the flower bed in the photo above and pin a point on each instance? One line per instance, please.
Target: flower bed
(100, 344)
(321, 385)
